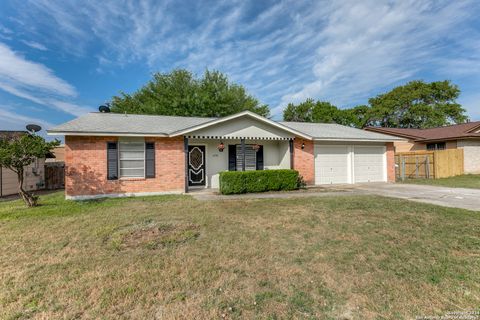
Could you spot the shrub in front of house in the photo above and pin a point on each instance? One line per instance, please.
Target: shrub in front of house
(233, 182)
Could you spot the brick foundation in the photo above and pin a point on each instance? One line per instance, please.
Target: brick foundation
(86, 168)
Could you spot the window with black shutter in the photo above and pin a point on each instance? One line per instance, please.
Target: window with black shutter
(150, 160)
(260, 158)
(232, 157)
(112, 161)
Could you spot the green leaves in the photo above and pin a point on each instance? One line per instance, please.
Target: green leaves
(180, 93)
(320, 111)
(415, 105)
(418, 105)
(18, 152)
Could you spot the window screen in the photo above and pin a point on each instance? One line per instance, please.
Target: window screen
(250, 158)
(436, 146)
(132, 159)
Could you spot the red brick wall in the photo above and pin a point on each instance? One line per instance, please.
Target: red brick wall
(390, 162)
(86, 167)
(303, 160)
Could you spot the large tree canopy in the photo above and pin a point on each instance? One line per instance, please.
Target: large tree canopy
(311, 111)
(180, 93)
(416, 104)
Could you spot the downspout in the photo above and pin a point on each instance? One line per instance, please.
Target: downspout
(185, 148)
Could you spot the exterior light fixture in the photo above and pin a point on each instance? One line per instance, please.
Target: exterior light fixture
(256, 147)
(220, 147)
(303, 145)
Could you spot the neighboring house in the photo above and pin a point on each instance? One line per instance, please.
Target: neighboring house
(465, 136)
(58, 153)
(34, 173)
(120, 154)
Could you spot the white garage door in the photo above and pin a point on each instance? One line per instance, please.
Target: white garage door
(332, 164)
(369, 164)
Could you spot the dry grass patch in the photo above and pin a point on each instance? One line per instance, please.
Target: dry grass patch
(151, 235)
(172, 257)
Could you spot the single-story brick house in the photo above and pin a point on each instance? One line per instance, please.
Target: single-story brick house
(464, 136)
(108, 154)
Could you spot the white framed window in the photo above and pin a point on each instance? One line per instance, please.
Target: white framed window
(131, 158)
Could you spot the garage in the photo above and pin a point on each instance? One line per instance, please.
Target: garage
(369, 163)
(332, 164)
(345, 164)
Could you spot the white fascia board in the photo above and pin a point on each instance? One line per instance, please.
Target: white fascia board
(241, 114)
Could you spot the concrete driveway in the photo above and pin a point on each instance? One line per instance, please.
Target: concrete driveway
(448, 197)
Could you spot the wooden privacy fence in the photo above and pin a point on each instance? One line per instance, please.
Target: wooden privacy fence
(54, 175)
(429, 164)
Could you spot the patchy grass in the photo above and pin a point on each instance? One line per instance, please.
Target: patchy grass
(359, 257)
(471, 181)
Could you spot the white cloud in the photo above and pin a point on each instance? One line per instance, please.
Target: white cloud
(342, 51)
(35, 45)
(35, 82)
(68, 107)
(14, 121)
(20, 72)
(367, 46)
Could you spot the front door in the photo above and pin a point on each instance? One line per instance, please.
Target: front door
(196, 166)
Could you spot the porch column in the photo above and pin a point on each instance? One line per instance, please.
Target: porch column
(185, 148)
(290, 144)
(242, 141)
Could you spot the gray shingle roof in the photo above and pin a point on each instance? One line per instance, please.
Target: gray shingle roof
(331, 131)
(116, 123)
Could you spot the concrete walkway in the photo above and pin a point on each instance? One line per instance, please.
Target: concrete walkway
(448, 197)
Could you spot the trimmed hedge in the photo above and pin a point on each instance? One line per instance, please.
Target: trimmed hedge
(233, 182)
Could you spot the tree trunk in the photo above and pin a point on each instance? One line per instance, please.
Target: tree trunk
(29, 199)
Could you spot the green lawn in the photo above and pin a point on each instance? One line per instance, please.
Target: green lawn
(463, 181)
(172, 257)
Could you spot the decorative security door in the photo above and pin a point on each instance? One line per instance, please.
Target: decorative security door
(196, 166)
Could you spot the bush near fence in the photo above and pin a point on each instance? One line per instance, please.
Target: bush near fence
(235, 182)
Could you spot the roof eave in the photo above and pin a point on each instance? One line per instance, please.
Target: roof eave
(380, 130)
(448, 138)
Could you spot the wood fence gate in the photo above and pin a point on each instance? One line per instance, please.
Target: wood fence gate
(54, 175)
(429, 164)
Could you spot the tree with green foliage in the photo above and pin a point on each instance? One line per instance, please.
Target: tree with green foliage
(180, 93)
(17, 152)
(416, 104)
(311, 111)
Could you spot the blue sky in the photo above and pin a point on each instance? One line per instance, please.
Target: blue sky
(60, 59)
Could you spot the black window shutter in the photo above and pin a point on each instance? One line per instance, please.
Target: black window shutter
(112, 161)
(232, 157)
(150, 159)
(260, 158)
